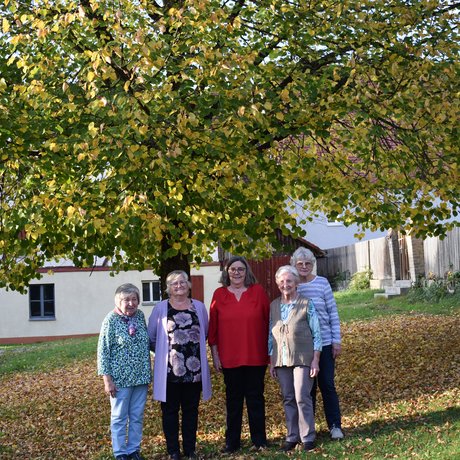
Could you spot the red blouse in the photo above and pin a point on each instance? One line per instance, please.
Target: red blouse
(240, 328)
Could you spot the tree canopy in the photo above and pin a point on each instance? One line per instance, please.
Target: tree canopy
(147, 131)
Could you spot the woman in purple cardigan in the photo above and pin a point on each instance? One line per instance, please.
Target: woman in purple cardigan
(177, 329)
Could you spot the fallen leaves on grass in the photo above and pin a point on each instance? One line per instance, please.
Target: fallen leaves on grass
(401, 366)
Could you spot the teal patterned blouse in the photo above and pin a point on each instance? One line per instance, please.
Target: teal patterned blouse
(124, 357)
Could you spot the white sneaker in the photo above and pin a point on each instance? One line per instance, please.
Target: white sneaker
(336, 433)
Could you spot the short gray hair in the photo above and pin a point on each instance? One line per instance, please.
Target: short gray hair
(287, 269)
(302, 254)
(126, 288)
(172, 276)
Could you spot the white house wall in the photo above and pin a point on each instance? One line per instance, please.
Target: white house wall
(82, 299)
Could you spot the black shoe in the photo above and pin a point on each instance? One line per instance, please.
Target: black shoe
(288, 445)
(229, 450)
(135, 456)
(308, 446)
(192, 456)
(175, 456)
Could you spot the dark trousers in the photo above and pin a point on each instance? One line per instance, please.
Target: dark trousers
(325, 381)
(245, 383)
(184, 397)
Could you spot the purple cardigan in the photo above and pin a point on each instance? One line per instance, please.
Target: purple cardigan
(157, 330)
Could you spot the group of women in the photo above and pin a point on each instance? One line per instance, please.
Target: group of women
(297, 335)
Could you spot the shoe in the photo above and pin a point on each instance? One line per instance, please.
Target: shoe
(175, 456)
(229, 450)
(192, 456)
(135, 456)
(122, 457)
(336, 432)
(288, 445)
(258, 448)
(308, 446)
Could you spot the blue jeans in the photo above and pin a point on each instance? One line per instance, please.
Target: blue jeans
(325, 381)
(126, 420)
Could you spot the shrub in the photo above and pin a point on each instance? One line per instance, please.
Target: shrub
(433, 288)
(340, 280)
(360, 280)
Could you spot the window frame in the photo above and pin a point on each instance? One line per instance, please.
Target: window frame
(151, 300)
(42, 301)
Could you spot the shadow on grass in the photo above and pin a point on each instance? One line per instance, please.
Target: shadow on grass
(409, 425)
(406, 423)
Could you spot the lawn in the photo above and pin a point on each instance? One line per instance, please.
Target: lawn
(398, 379)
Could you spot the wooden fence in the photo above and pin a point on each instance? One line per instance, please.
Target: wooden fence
(341, 263)
(442, 255)
(439, 256)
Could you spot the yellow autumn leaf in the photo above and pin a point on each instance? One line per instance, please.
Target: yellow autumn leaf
(92, 130)
(284, 95)
(5, 25)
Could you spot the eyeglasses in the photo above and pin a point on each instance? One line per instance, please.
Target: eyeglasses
(304, 264)
(236, 269)
(179, 283)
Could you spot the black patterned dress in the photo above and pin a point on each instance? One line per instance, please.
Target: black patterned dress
(184, 364)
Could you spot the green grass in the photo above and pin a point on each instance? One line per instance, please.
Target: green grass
(432, 436)
(45, 356)
(362, 305)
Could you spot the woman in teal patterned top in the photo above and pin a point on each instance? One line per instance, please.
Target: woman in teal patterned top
(123, 360)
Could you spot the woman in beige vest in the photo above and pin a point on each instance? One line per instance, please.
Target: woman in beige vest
(295, 347)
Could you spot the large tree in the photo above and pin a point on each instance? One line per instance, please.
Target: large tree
(147, 131)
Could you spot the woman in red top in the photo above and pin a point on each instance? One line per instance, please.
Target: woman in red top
(238, 336)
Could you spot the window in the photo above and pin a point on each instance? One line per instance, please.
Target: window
(41, 301)
(151, 291)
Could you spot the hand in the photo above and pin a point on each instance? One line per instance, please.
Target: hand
(314, 368)
(217, 364)
(273, 371)
(215, 359)
(336, 350)
(109, 387)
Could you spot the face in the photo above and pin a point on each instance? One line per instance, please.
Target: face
(304, 267)
(287, 284)
(237, 273)
(128, 303)
(178, 286)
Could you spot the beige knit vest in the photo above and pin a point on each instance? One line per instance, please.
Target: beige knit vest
(294, 335)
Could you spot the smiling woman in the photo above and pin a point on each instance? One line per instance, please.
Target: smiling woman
(295, 347)
(238, 334)
(123, 360)
(318, 289)
(177, 329)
